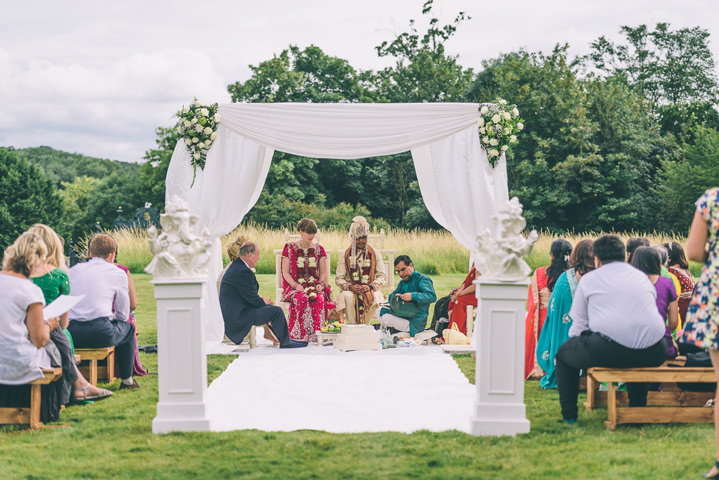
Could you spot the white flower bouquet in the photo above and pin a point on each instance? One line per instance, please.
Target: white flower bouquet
(197, 125)
(499, 125)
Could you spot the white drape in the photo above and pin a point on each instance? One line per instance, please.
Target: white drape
(461, 190)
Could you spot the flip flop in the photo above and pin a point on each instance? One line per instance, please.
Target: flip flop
(90, 398)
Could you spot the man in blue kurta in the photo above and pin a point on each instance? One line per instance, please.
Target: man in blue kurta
(414, 287)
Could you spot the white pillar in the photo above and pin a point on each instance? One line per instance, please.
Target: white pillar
(499, 376)
(181, 361)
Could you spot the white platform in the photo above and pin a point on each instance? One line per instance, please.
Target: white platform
(400, 390)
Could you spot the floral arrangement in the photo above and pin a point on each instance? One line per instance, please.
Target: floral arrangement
(499, 125)
(197, 125)
(307, 272)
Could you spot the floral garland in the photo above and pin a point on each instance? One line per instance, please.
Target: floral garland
(360, 274)
(307, 273)
(197, 124)
(499, 125)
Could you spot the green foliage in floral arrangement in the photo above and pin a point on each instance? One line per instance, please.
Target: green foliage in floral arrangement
(197, 124)
(499, 125)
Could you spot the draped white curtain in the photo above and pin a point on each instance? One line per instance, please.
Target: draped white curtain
(459, 187)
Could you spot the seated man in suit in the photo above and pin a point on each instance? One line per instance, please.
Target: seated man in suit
(100, 318)
(414, 287)
(243, 308)
(360, 276)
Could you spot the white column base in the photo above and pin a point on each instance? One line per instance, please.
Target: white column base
(181, 360)
(499, 376)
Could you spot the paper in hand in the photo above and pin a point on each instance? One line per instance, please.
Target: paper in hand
(60, 305)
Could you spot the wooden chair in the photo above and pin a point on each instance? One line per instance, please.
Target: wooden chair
(278, 264)
(30, 415)
(97, 363)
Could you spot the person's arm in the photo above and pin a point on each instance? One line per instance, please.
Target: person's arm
(697, 239)
(673, 315)
(341, 274)
(122, 296)
(65, 320)
(324, 266)
(241, 285)
(288, 276)
(131, 292)
(425, 291)
(38, 330)
(380, 277)
(578, 313)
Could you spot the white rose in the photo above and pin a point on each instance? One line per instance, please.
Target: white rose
(201, 144)
(484, 111)
(494, 142)
(512, 139)
(216, 117)
(507, 131)
(507, 115)
(204, 112)
(480, 122)
(194, 120)
(504, 148)
(196, 156)
(515, 112)
(482, 130)
(485, 139)
(188, 141)
(520, 126)
(198, 128)
(495, 118)
(196, 102)
(213, 136)
(502, 101)
(195, 139)
(208, 130)
(186, 123)
(494, 152)
(185, 109)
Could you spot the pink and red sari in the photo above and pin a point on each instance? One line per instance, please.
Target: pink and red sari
(308, 308)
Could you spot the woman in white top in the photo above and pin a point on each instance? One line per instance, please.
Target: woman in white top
(23, 331)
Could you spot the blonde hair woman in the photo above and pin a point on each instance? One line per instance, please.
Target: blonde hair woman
(50, 275)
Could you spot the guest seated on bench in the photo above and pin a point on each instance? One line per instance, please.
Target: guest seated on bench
(93, 323)
(615, 323)
(414, 287)
(52, 278)
(648, 260)
(23, 331)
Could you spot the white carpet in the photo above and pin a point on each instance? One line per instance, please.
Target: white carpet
(320, 388)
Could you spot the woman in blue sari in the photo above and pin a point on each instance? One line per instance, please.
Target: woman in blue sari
(556, 326)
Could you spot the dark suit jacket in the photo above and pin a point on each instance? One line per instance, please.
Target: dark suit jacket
(242, 307)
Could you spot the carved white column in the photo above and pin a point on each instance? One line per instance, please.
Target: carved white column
(499, 376)
(182, 365)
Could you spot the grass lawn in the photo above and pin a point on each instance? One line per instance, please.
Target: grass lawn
(113, 439)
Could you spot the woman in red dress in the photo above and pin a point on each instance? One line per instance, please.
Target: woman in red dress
(459, 299)
(540, 290)
(305, 277)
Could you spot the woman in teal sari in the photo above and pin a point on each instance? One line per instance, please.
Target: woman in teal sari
(556, 326)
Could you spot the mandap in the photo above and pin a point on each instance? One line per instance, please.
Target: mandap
(461, 190)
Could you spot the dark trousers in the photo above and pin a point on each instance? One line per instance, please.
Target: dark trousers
(103, 332)
(69, 370)
(278, 325)
(592, 349)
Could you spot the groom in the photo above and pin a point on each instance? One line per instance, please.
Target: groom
(243, 308)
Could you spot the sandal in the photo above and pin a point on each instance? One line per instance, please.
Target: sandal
(90, 398)
(716, 475)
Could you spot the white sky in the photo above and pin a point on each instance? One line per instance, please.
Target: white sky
(97, 77)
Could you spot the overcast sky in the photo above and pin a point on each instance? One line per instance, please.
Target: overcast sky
(97, 77)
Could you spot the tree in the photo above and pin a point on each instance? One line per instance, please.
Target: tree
(26, 197)
(151, 179)
(685, 179)
(666, 66)
(589, 155)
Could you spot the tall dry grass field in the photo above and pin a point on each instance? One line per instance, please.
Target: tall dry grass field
(433, 252)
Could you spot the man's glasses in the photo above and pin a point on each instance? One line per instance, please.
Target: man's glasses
(401, 270)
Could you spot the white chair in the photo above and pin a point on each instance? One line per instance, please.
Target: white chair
(278, 265)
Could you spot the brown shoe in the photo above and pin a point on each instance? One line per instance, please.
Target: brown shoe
(133, 386)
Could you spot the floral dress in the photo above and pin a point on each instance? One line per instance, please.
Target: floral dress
(308, 309)
(702, 321)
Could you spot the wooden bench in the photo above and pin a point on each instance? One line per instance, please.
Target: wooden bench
(670, 405)
(97, 363)
(30, 415)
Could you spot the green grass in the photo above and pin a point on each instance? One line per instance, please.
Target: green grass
(113, 439)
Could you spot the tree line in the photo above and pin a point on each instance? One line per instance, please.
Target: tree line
(624, 138)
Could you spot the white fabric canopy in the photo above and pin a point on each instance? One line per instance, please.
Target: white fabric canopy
(459, 187)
